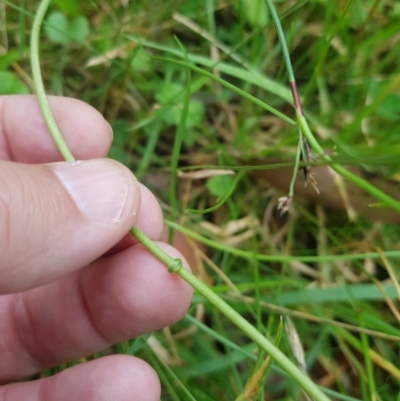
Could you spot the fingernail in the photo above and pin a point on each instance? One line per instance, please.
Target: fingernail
(102, 189)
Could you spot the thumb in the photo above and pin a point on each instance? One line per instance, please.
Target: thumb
(56, 218)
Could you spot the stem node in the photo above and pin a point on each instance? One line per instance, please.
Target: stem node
(175, 266)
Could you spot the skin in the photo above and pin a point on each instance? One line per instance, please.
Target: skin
(73, 284)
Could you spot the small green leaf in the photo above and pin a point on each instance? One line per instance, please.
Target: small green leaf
(390, 107)
(196, 112)
(191, 137)
(57, 28)
(218, 185)
(121, 130)
(255, 12)
(140, 61)
(8, 58)
(119, 154)
(11, 85)
(79, 28)
(194, 117)
(357, 13)
(70, 7)
(168, 93)
(172, 94)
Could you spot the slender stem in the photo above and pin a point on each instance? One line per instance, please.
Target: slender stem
(228, 85)
(176, 150)
(282, 39)
(296, 166)
(366, 186)
(296, 99)
(175, 266)
(222, 200)
(301, 120)
(37, 79)
(278, 257)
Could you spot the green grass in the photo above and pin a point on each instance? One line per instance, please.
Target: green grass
(238, 115)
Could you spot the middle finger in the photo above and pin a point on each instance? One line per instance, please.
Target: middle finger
(116, 298)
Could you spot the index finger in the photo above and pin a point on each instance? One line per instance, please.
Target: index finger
(25, 138)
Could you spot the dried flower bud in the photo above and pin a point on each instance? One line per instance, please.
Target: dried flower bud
(306, 150)
(284, 204)
(307, 156)
(313, 181)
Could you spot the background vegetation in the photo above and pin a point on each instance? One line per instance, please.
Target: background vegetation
(320, 266)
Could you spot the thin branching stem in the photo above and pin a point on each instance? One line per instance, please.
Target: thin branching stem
(228, 85)
(386, 200)
(176, 150)
(282, 40)
(174, 265)
(280, 258)
(296, 166)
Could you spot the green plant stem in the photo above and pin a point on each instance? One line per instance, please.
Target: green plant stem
(173, 378)
(296, 166)
(278, 258)
(237, 72)
(282, 39)
(365, 185)
(228, 85)
(39, 87)
(221, 200)
(301, 120)
(175, 266)
(176, 150)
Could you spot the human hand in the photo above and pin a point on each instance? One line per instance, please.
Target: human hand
(55, 219)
